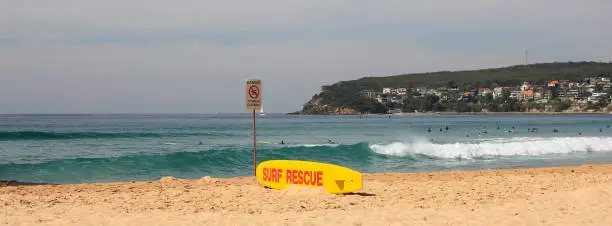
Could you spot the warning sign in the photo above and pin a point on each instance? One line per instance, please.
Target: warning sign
(253, 95)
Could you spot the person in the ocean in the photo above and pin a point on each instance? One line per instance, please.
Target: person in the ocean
(329, 141)
(579, 134)
(199, 142)
(282, 142)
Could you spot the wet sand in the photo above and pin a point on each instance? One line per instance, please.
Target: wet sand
(544, 196)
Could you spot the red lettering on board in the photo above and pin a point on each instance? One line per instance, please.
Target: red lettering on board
(272, 175)
(300, 177)
(312, 178)
(265, 174)
(294, 175)
(279, 174)
(309, 180)
(320, 178)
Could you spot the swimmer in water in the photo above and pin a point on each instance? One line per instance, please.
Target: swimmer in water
(199, 142)
(282, 142)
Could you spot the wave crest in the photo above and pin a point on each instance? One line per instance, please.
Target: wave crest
(500, 147)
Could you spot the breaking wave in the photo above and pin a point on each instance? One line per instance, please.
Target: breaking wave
(497, 147)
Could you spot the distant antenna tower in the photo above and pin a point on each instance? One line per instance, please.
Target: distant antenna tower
(526, 57)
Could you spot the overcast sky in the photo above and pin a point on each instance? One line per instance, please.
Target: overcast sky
(133, 56)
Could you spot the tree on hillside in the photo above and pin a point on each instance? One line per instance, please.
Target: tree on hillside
(505, 96)
(554, 93)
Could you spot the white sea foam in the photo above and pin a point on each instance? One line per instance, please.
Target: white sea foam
(518, 146)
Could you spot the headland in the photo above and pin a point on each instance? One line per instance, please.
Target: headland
(576, 87)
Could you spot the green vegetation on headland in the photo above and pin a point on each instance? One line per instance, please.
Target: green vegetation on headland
(545, 87)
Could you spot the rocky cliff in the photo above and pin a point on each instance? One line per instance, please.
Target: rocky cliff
(314, 107)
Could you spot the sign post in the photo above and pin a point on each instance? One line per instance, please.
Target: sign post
(253, 103)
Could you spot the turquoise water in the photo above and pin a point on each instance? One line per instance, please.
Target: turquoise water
(105, 148)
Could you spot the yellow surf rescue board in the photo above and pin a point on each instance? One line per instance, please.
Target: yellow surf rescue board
(280, 174)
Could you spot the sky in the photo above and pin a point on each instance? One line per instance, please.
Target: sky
(193, 56)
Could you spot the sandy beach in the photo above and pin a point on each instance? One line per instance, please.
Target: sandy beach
(543, 196)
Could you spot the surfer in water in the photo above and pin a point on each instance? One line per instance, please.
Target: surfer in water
(282, 142)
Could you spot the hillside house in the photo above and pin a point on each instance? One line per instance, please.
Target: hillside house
(597, 96)
(515, 94)
(370, 93)
(526, 95)
(525, 86)
(484, 91)
(401, 91)
(554, 83)
(498, 92)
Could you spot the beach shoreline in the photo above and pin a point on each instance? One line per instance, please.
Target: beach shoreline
(504, 113)
(573, 195)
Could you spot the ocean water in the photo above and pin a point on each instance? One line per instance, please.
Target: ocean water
(107, 148)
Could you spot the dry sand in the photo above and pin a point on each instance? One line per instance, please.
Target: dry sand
(545, 196)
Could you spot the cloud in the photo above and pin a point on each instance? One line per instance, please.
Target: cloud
(193, 56)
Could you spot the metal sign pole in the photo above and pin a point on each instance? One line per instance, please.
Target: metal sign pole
(254, 145)
(253, 102)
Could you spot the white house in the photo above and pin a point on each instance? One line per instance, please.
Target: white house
(497, 92)
(525, 86)
(386, 90)
(401, 91)
(597, 96)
